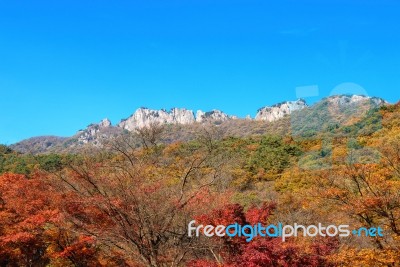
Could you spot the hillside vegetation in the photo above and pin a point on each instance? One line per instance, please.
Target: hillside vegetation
(128, 202)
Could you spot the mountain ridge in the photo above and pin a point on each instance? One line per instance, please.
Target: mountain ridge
(96, 133)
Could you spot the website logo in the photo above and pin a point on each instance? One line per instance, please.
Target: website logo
(279, 230)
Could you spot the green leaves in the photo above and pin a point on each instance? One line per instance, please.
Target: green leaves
(271, 157)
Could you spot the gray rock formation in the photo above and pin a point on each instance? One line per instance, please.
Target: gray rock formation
(344, 100)
(212, 116)
(280, 110)
(144, 117)
(90, 133)
(182, 116)
(105, 123)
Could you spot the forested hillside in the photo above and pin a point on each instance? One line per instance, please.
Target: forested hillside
(129, 202)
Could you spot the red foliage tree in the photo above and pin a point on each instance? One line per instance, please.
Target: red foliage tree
(261, 251)
(26, 210)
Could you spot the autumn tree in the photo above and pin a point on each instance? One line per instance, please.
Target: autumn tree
(150, 136)
(27, 213)
(260, 251)
(271, 157)
(137, 202)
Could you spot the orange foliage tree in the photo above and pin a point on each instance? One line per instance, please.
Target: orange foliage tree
(137, 203)
(27, 213)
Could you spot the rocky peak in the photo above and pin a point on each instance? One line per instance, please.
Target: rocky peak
(344, 100)
(182, 116)
(105, 123)
(88, 134)
(280, 110)
(211, 116)
(144, 117)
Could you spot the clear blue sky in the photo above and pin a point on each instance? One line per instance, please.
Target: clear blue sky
(65, 64)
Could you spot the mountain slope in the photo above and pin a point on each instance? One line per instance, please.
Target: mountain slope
(331, 114)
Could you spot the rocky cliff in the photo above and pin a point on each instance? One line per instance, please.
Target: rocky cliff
(280, 110)
(144, 117)
(212, 116)
(346, 100)
(90, 133)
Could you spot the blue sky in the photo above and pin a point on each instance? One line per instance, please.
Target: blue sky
(65, 64)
